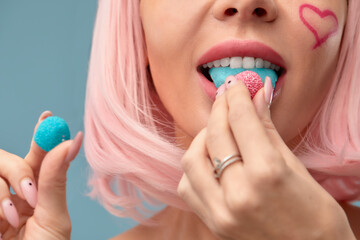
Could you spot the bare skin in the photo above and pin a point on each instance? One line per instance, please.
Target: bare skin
(173, 57)
(46, 215)
(189, 226)
(199, 26)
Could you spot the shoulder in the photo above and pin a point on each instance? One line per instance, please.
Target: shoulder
(137, 233)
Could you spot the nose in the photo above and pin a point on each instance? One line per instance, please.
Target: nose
(244, 10)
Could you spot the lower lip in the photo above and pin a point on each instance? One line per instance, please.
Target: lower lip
(210, 89)
(279, 85)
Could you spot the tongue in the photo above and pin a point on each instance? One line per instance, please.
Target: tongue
(219, 75)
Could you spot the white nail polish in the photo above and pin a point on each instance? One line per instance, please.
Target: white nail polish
(269, 91)
(10, 212)
(220, 90)
(29, 190)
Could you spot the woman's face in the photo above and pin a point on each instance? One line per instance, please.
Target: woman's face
(181, 35)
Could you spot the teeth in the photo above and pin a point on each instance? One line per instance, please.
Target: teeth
(248, 62)
(267, 64)
(217, 63)
(236, 62)
(225, 62)
(242, 62)
(259, 63)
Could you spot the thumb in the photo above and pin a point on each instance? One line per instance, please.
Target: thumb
(52, 176)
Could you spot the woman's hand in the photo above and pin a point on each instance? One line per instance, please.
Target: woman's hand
(31, 213)
(267, 195)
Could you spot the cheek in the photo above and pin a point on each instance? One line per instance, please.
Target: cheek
(323, 22)
(313, 63)
(168, 28)
(168, 40)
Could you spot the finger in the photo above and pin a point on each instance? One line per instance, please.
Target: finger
(190, 197)
(199, 170)
(250, 134)
(262, 108)
(36, 154)
(264, 112)
(52, 178)
(19, 175)
(220, 141)
(8, 210)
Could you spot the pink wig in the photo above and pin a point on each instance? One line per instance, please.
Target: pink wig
(331, 146)
(128, 141)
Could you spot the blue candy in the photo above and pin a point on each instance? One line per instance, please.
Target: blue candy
(51, 132)
(219, 74)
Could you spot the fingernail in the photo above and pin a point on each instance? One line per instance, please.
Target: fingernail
(230, 81)
(10, 212)
(220, 90)
(268, 91)
(29, 190)
(74, 148)
(44, 115)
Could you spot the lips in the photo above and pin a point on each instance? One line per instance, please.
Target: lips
(234, 48)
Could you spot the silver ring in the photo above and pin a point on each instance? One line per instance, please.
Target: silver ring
(219, 165)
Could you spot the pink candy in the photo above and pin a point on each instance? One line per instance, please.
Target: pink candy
(252, 81)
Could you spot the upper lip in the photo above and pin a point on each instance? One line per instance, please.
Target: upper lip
(232, 48)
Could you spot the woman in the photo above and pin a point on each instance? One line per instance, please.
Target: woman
(150, 104)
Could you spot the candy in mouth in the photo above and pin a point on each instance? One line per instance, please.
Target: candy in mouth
(218, 75)
(252, 81)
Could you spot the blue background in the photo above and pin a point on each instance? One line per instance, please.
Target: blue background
(44, 55)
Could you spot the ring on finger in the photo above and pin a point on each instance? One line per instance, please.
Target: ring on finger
(219, 166)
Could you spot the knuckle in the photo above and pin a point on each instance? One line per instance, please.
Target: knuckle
(181, 190)
(241, 203)
(274, 174)
(10, 157)
(21, 169)
(186, 163)
(223, 223)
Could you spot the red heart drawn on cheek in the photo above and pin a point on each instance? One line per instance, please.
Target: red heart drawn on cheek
(323, 24)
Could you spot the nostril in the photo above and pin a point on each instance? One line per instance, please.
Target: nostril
(230, 11)
(260, 12)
